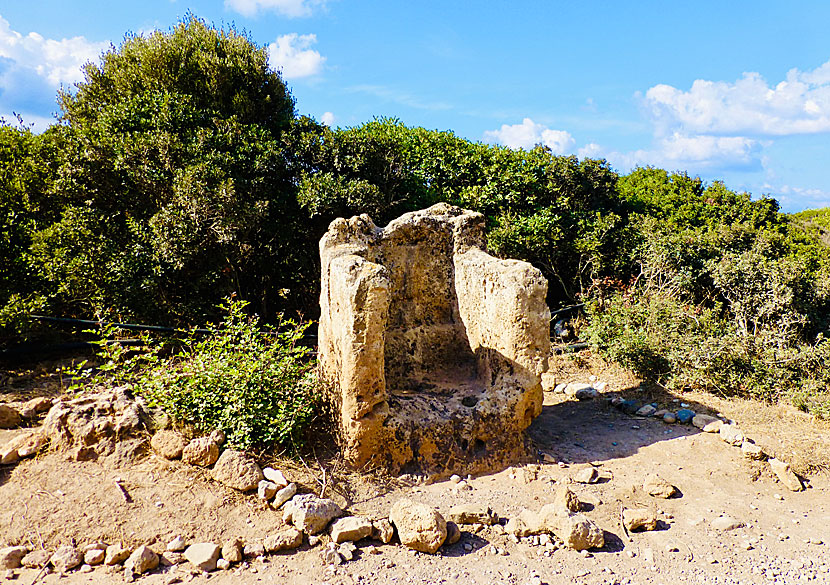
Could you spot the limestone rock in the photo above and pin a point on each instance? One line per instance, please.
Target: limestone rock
(419, 526)
(203, 555)
(285, 539)
(178, 544)
(223, 564)
(9, 417)
(275, 476)
(283, 495)
(473, 514)
(350, 529)
(238, 470)
(232, 550)
(566, 499)
(587, 475)
(731, 434)
(408, 307)
(36, 559)
(309, 513)
(116, 554)
(383, 530)
(706, 423)
(785, 475)
(11, 556)
(35, 406)
(201, 451)
(94, 556)
(752, 451)
(168, 443)
(579, 533)
(142, 559)
(253, 549)
(66, 558)
(527, 523)
(266, 489)
(636, 518)
(453, 533)
(657, 487)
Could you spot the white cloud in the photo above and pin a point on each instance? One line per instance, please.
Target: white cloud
(800, 104)
(528, 134)
(796, 198)
(327, 118)
(56, 61)
(289, 8)
(291, 55)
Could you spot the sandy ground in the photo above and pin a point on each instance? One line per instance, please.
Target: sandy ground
(49, 501)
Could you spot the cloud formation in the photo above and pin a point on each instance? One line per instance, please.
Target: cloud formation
(327, 118)
(291, 55)
(800, 104)
(289, 8)
(528, 134)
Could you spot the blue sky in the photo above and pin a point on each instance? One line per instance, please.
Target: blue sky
(731, 90)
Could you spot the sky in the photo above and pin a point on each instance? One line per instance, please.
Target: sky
(733, 90)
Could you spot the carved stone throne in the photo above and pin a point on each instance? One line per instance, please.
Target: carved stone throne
(430, 349)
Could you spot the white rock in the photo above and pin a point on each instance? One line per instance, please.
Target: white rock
(731, 434)
(203, 555)
(419, 527)
(283, 495)
(350, 528)
(309, 513)
(276, 476)
(178, 544)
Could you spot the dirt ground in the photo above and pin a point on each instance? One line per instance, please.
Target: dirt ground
(49, 501)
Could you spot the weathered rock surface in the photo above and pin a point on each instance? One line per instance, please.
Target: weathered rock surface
(657, 487)
(785, 475)
(168, 443)
(66, 558)
(275, 476)
(266, 489)
(578, 532)
(310, 513)
(419, 527)
(142, 559)
(430, 349)
(285, 539)
(201, 451)
(232, 550)
(731, 434)
(350, 529)
(94, 557)
(23, 445)
(639, 518)
(566, 499)
(203, 555)
(383, 530)
(36, 559)
(177, 544)
(726, 523)
(586, 475)
(238, 470)
(283, 495)
(472, 514)
(706, 423)
(11, 556)
(116, 554)
(527, 523)
(9, 417)
(752, 451)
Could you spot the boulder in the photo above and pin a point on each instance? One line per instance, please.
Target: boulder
(706, 423)
(637, 518)
(419, 526)
(310, 513)
(66, 558)
(201, 451)
(142, 559)
(285, 539)
(11, 556)
(350, 529)
(473, 514)
(238, 470)
(657, 487)
(203, 555)
(785, 475)
(9, 417)
(579, 533)
(169, 444)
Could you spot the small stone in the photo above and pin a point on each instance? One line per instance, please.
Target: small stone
(669, 418)
(232, 550)
(419, 527)
(331, 557)
(726, 524)
(589, 393)
(453, 533)
(472, 514)
(11, 557)
(574, 387)
(586, 475)
(629, 406)
(218, 436)
(283, 495)
(660, 413)
(178, 544)
(116, 554)
(285, 539)
(66, 558)
(636, 518)
(309, 513)
(223, 564)
(36, 559)
(731, 434)
(85, 569)
(579, 533)
(707, 423)
(657, 487)
(94, 557)
(350, 528)
(142, 559)
(202, 451)
(168, 443)
(203, 555)
(266, 489)
(383, 530)
(253, 549)
(455, 478)
(462, 486)
(684, 415)
(560, 388)
(347, 550)
(752, 451)
(314, 540)
(276, 476)
(238, 470)
(785, 475)
(647, 410)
